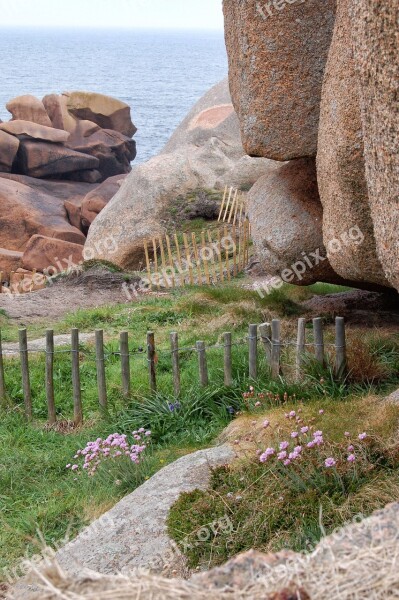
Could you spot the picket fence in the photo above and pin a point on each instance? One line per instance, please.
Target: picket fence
(269, 334)
(214, 255)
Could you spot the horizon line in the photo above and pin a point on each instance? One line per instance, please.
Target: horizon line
(112, 27)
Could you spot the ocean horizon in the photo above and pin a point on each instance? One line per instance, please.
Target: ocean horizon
(159, 73)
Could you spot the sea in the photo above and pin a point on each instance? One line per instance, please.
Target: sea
(159, 73)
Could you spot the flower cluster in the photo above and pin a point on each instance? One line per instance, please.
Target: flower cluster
(269, 397)
(115, 446)
(303, 440)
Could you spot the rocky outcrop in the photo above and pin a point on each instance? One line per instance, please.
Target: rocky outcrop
(50, 160)
(277, 52)
(287, 217)
(277, 59)
(376, 50)
(10, 260)
(340, 161)
(204, 148)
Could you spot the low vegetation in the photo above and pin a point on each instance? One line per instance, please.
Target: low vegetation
(38, 493)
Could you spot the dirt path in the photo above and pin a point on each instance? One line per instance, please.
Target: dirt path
(94, 288)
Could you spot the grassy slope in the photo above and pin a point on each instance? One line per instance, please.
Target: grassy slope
(35, 490)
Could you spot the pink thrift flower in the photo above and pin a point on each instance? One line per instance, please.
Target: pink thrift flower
(351, 458)
(266, 424)
(321, 412)
(282, 455)
(304, 429)
(298, 449)
(287, 462)
(362, 436)
(68, 466)
(311, 444)
(350, 448)
(330, 462)
(270, 451)
(318, 434)
(257, 404)
(347, 434)
(75, 467)
(294, 434)
(292, 414)
(284, 445)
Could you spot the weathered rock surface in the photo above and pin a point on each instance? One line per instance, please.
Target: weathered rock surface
(32, 130)
(133, 533)
(26, 210)
(8, 151)
(340, 161)
(96, 200)
(107, 112)
(51, 255)
(39, 159)
(28, 108)
(286, 216)
(277, 52)
(202, 150)
(376, 48)
(10, 260)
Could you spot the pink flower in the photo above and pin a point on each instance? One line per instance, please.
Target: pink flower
(347, 434)
(304, 429)
(251, 388)
(257, 404)
(318, 434)
(330, 462)
(284, 445)
(148, 433)
(75, 467)
(321, 412)
(311, 444)
(298, 449)
(318, 440)
(268, 452)
(266, 424)
(293, 456)
(294, 434)
(68, 466)
(362, 436)
(282, 455)
(351, 458)
(292, 414)
(350, 448)
(287, 462)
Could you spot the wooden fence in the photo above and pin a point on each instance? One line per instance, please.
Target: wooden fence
(233, 209)
(266, 336)
(205, 258)
(21, 282)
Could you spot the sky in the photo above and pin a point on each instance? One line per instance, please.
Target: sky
(153, 14)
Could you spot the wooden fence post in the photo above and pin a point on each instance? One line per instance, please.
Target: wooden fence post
(318, 340)
(23, 351)
(276, 348)
(174, 343)
(202, 364)
(77, 393)
(2, 380)
(300, 348)
(253, 351)
(100, 364)
(265, 331)
(52, 417)
(228, 377)
(340, 348)
(151, 360)
(125, 362)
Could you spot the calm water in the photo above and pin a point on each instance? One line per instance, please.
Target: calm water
(159, 74)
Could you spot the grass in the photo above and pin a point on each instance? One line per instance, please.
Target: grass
(36, 492)
(271, 507)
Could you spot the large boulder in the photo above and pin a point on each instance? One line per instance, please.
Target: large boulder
(114, 150)
(286, 216)
(45, 159)
(202, 150)
(26, 210)
(376, 47)
(340, 161)
(107, 112)
(50, 255)
(28, 108)
(8, 151)
(57, 109)
(277, 53)
(26, 129)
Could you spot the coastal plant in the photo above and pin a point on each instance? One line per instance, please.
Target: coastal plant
(115, 447)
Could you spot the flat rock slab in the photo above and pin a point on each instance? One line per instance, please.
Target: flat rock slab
(12, 349)
(133, 534)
